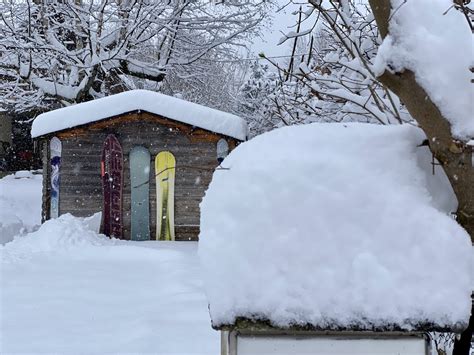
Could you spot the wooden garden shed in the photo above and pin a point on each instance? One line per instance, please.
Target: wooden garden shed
(141, 118)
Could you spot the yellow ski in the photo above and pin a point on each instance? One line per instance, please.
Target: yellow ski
(165, 165)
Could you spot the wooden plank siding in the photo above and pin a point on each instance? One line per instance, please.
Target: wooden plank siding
(194, 150)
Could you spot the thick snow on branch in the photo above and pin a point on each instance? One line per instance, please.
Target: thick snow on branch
(332, 225)
(437, 46)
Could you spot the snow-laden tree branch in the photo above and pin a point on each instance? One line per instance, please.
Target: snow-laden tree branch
(64, 51)
(330, 75)
(442, 108)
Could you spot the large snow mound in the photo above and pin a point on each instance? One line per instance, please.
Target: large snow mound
(331, 225)
(62, 234)
(436, 45)
(150, 101)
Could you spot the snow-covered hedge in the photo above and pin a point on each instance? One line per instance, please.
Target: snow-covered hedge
(332, 225)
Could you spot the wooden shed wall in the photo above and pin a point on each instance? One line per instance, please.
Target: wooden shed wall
(194, 150)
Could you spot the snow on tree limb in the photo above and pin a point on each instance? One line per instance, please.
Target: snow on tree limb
(422, 37)
(70, 51)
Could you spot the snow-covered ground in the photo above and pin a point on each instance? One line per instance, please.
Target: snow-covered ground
(20, 204)
(64, 289)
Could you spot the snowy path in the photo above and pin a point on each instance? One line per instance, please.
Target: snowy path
(64, 289)
(140, 297)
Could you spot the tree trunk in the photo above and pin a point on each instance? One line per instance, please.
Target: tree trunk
(454, 156)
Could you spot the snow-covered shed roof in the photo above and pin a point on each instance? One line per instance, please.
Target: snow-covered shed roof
(144, 100)
(333, 226)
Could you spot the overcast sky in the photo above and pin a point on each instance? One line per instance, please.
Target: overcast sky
(283, 22)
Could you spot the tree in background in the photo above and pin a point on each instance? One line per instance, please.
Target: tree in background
(54, 53)
(329, 75)
(258, 101)
(215, 83)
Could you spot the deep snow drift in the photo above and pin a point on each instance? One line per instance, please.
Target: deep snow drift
(20, 204)
(64, 289)
(332, 225)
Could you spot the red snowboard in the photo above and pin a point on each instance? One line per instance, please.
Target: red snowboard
(112, 175)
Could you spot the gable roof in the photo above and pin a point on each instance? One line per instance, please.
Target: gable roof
(144, 100)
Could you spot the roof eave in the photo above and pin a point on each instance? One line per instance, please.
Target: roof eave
(265, 326)
(53, 133)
